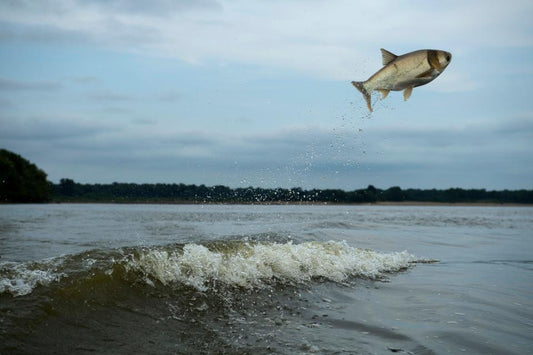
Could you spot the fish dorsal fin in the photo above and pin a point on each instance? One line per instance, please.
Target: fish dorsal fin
(387, 56)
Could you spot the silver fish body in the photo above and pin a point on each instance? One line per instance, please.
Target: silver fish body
(404, 72)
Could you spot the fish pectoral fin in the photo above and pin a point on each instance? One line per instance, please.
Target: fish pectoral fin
(384, 93)
(407, 92)
(387, 56)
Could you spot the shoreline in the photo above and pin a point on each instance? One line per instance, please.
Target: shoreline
(451, 204)
(298, 203)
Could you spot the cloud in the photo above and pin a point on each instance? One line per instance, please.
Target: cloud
(520, 126)
(85, 80)
(5, 103)
(111, 97)
(467, 155)
(155, 7)
(44, 129)
(169, 97)
(18, 85)
(332, 40)
(37, 32)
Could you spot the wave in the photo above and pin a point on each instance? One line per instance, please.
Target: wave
(19, 279)
(205, 266)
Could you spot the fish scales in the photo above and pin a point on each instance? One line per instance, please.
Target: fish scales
(404, 72)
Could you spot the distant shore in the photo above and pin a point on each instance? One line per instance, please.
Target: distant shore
(69, 190)
(307, 203)
(466, 204)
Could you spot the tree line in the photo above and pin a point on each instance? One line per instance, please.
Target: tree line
(22, 181)
(70, 191)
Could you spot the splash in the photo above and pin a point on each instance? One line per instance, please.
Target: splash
(19, 279)
(250, 265)
(204, 267)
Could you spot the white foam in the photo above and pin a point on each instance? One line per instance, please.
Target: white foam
(238, 264)
(20, 279)
(254, 264)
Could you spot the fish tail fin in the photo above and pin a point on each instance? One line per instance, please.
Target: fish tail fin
(361, 87)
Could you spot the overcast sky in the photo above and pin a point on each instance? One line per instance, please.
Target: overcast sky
(257, 93)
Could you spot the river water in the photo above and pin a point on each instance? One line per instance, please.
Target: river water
(232, 279)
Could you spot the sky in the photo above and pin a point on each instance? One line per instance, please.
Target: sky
(257, 93)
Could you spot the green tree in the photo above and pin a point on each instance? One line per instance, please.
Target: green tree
(20, 180)
(393, 194)
(67, 187)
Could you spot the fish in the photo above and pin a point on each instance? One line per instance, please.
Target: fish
(404, 72)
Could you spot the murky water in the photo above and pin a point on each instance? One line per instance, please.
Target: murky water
(265, 279)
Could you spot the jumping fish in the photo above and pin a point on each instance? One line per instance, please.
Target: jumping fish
(404, 73)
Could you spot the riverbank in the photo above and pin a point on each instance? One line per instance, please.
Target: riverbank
(302, 203)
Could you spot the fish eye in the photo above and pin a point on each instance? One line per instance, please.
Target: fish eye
(448, 58)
